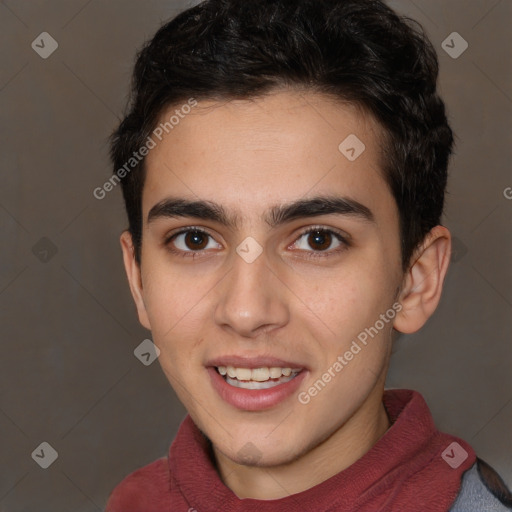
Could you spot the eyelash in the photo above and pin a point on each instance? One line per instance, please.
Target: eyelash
(309, 254)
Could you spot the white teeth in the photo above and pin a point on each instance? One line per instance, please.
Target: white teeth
(257, 374)
(243, 373)
(252, 384)
(260, 374)
(275, 373)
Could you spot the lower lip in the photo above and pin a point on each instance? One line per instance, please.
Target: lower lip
(254, 399)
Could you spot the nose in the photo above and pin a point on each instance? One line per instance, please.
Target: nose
(251, 299)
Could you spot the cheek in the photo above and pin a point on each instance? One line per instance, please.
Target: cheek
(345, 302)
(352, 352)
(175, 303)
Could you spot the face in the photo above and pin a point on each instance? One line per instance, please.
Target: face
(268, 249)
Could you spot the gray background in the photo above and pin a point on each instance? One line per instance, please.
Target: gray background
(68, 374)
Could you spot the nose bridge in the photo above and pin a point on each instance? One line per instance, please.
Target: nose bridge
(250, 298)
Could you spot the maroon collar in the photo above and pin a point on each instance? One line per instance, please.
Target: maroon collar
(404, 468)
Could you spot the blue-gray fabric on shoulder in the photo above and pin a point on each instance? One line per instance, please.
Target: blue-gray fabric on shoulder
(475, 494)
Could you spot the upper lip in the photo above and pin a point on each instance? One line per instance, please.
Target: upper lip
(253, 362)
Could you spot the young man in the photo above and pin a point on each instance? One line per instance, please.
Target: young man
(283, 166)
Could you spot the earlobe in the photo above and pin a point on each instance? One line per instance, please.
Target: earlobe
(423, 282)
(134, 277)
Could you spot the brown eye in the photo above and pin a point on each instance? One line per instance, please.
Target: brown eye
(191, 241)
(320, 240)
(195, 240)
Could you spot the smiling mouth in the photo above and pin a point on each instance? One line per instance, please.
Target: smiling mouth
(257, 378)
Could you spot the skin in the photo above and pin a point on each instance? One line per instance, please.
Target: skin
(250, 155)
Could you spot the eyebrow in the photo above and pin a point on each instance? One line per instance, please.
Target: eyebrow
(277, 215)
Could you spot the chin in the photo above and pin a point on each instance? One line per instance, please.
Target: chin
(263, 454)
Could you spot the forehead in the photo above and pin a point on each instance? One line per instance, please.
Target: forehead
(249, 154)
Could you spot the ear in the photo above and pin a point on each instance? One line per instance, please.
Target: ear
(134, 277)
(423, 282)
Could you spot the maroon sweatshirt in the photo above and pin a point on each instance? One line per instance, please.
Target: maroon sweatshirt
(412, 467)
